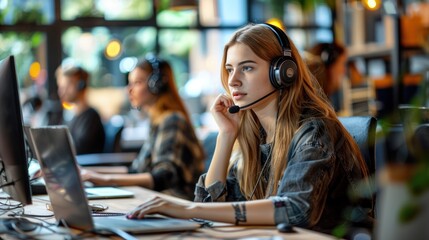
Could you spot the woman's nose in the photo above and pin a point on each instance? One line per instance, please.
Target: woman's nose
(234, 79)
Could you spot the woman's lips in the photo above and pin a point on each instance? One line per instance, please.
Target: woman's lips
(238, 95)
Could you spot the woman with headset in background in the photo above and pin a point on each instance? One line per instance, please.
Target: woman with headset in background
(282, 157)
(172, 159)
(85, 124)
(327, 62)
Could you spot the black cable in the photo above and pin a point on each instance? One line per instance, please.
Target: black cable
(271, 150)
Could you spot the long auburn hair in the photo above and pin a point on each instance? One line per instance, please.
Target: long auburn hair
(168, 100)
(305, 92)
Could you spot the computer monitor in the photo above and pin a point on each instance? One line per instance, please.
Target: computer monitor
(14, 178)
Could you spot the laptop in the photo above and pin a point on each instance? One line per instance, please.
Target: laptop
(38, 185)
(67, 196)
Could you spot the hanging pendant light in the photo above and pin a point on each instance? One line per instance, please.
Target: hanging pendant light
(371, 5)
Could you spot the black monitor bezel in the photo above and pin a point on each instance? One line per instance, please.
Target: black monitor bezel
(14, 178)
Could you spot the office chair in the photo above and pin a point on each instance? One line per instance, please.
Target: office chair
(113, 130)
(209, 144)
(363, 130)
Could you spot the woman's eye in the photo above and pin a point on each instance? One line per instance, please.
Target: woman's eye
(135, 83)
(246, 68)
(229, 70)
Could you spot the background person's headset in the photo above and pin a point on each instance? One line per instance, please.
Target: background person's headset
(156, 81)
(329, 54)
(283, 69)
(83, 78)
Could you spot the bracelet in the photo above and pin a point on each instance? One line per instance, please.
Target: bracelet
(240, 212)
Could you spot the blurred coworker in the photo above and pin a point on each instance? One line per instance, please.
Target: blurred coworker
(85, 125)
(327, 62)
(172, 159)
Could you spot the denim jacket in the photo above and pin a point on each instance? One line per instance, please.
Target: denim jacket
(313, 191)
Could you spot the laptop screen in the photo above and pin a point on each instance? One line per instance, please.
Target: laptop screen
(53, 145)
(54, 150)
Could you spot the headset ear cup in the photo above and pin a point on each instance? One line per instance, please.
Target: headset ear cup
(283, 72)
(288, 72)
(81, 85)
(156, 83)
(152, 84)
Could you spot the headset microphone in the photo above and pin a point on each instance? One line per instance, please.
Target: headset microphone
(236, 109)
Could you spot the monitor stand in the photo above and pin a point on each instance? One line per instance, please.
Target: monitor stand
(38, 187)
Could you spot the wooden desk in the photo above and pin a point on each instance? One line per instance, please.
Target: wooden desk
(218, 231)
(106, 159)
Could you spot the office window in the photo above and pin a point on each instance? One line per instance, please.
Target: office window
(223, 12)
(107, 9)
(107, 53)
(172, 18)
(29, 49)
(175, 46)
(26, 12)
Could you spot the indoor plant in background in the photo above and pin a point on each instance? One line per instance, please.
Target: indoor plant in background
(403, 203)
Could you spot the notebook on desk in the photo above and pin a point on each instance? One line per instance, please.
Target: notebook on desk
(66, 192)
(38, 185)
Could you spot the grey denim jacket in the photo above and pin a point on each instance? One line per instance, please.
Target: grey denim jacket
(313, 191)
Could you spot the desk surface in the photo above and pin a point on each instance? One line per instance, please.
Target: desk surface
(218, 231)
(106, 159)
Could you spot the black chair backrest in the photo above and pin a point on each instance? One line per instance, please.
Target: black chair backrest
(209, 145)
(363, 130)
(113, 130)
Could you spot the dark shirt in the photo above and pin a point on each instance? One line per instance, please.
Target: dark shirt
(172, 156)
(87, 132)
(313, 191)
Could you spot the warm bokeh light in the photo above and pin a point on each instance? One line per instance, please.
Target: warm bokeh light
(67, 105)
(34, 70)
(113, 49)
(371, 4)
(276, 22)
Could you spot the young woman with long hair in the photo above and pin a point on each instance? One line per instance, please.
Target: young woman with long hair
(282, 155)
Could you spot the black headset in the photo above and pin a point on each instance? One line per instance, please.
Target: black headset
(329, 54)
(81, 84)
(283, 69)
(156, 82)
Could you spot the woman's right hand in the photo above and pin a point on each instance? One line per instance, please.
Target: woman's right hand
(161, 205)
(227, 122)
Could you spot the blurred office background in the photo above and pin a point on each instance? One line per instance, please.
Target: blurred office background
(387, 46)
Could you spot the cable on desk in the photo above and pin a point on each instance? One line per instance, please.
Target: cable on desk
(22, 214)
(202, 222)
(18, 233)
(8, 205)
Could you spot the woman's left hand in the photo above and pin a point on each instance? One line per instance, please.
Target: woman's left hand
(162, 206)
(94, 177)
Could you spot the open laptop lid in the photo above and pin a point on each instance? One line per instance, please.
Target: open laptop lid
(53, 145)
(54, 150)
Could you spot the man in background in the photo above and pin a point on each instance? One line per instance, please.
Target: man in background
(84, 122)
